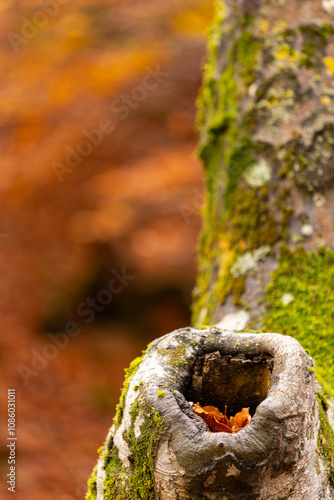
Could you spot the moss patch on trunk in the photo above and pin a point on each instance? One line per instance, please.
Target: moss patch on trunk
(136, 483)
(129, 373)
(91, 492)
(309, 317)
(326, 438)
(239, 98)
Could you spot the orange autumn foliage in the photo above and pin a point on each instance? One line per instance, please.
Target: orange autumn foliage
(133, 202)
(218, 422)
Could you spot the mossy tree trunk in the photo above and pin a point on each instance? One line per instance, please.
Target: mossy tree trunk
(267, 141)
(266, 264)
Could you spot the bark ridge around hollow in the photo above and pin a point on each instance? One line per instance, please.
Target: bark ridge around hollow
(159, 449)
(266, 262)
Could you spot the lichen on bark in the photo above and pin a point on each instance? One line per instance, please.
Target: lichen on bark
(265, 100)
(267, 246)
(163, 450)
(279, 116)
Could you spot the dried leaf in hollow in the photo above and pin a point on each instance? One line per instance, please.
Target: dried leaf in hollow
(219, 422)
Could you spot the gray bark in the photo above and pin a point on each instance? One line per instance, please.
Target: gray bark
(266, 141)
(273, 457)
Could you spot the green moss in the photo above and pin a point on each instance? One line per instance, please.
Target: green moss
(324, 400)
(239, 288)
(245, 225)
(288, 53)
(226, 148)
(139, 483)
(129, 373)
(222, 139)
(284, 222)
(326, 438)
(301, 161)
(326, 30)
(161, 394)
(315, 39)
(136, 387)
(227, 119)
(309, 277)
(250, 221)
(241, 158)
(175, 354)
(91, 493)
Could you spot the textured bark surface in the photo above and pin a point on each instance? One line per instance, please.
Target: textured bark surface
(267, 141)
(274, 457)
(266, 262)
(266, 259)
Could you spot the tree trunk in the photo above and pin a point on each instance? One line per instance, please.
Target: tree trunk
(159, 448)
(266, 263)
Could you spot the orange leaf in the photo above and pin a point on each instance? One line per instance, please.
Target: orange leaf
(219, 422)
(242, 418)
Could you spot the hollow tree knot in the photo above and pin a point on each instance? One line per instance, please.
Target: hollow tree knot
(271, 374)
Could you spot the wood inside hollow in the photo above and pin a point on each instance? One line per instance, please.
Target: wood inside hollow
(236, 381)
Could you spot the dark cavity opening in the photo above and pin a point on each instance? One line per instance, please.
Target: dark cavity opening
(238, 381)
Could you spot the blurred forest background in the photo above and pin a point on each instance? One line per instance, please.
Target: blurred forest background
(131, 203)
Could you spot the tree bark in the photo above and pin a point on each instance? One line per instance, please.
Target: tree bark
(266, 264)
(273, 457)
